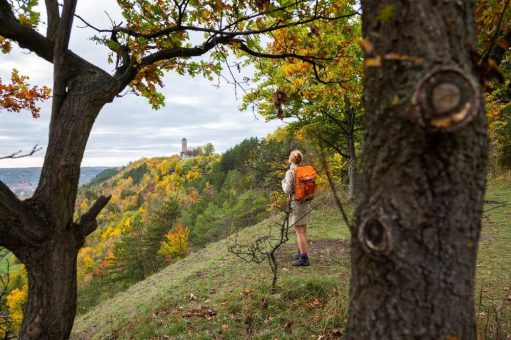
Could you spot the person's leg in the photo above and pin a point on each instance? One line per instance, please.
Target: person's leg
(298, 242)
(301, 239)
(303, 258)
(305, 239)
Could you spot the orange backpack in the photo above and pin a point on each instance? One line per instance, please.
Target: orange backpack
(305, 183)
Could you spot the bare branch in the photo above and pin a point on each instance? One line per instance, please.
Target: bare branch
(505, 204)
(263, 248)
(332, 187)
(488, 52)
(88, 24)
(19, 154)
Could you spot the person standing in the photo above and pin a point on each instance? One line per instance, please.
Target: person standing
(299, 215)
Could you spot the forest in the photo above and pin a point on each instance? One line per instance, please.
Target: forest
(403, 109)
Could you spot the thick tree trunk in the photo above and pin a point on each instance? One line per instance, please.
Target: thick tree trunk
(41, 231)
(418, 217)
(51, 304)
(70, 128)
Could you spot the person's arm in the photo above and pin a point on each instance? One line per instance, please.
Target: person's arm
(287, 183)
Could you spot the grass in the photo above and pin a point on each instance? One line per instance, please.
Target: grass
(212, 294)
(493, 274)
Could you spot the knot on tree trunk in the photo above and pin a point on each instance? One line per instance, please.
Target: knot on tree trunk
(375, 235)
(446, 99)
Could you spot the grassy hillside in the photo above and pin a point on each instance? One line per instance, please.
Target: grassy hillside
(212, 294)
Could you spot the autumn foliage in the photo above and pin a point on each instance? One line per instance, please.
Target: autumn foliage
(176, 243)
(18, 95)
(15, 301)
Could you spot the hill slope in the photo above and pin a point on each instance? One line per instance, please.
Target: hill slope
(213, 294)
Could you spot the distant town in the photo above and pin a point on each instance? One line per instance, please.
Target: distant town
(23, 181)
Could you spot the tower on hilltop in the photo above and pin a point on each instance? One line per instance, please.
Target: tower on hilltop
(184, 146)
(185, 153)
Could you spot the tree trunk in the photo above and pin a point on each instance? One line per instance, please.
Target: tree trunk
(352, 168)
(40, 231)
(418, 218)
(51, 304)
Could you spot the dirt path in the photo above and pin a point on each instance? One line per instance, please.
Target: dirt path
(323, 253)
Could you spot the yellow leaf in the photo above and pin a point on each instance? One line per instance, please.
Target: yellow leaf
(403, 57)
(367, 46)
(373, 62)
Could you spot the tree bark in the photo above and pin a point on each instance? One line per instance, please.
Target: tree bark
(352, 169)
(352, 153)
(51, 304)
(40, 231)
(418, 219)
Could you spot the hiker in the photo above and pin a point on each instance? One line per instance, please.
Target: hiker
(299, 215)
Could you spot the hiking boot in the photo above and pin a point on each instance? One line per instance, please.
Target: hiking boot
(297, 255)
(303, 261)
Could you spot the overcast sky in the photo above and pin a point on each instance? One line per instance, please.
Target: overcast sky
(128, 128)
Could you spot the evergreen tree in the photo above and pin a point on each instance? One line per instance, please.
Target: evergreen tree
(162, 220)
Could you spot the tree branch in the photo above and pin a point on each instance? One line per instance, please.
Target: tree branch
(183, 52)
(60, 71)
(186, 52)
(13, 217)
(18, 154)
(242, 46)
(88, 221)
(53, 17)
(25, 36)
(326, 82)
(9, 201)
(496, 34)
(497, 53)
(223, 31)
(17, 224)
(338, 122)
(334, 192)
(227, 30)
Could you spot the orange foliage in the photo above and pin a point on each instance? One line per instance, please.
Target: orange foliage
(18, 95)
